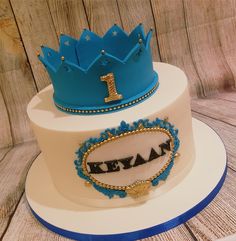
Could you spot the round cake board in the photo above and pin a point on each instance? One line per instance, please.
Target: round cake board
(155, 216)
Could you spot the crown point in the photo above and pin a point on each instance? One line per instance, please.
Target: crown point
(41, 46)
(115, 24)
(140, 23)
(151, 29)
(140, 40)
(62, 58)
(103, 52)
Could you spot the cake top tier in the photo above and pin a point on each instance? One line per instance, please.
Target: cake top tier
(96, 74)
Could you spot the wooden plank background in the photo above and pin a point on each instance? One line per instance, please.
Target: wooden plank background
(199, 36)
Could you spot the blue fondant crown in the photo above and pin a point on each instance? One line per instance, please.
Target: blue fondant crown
(101, 74)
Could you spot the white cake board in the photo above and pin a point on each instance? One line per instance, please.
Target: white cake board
(157, 215)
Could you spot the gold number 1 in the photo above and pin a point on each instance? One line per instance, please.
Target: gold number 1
(113, 95)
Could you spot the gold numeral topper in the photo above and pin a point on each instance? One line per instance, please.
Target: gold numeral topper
(111, 85)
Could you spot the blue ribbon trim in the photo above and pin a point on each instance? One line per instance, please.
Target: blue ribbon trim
(140, 234)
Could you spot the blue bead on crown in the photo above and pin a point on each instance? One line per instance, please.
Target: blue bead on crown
(96, 75)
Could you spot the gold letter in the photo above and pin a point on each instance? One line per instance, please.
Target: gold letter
(110, 80)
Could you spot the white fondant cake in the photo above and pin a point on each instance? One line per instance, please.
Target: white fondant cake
(60, 134)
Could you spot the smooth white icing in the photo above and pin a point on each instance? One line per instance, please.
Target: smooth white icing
(208, 168)
(59, 135)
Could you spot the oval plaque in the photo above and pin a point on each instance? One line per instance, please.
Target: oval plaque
(129, 159)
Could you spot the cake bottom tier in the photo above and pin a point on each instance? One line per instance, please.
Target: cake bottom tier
(122, 162)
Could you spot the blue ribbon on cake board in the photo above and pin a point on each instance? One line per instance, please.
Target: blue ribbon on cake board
(139, 234)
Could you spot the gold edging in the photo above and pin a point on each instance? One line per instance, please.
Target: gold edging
(109, 108)
(112, 138)
(139, 188)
